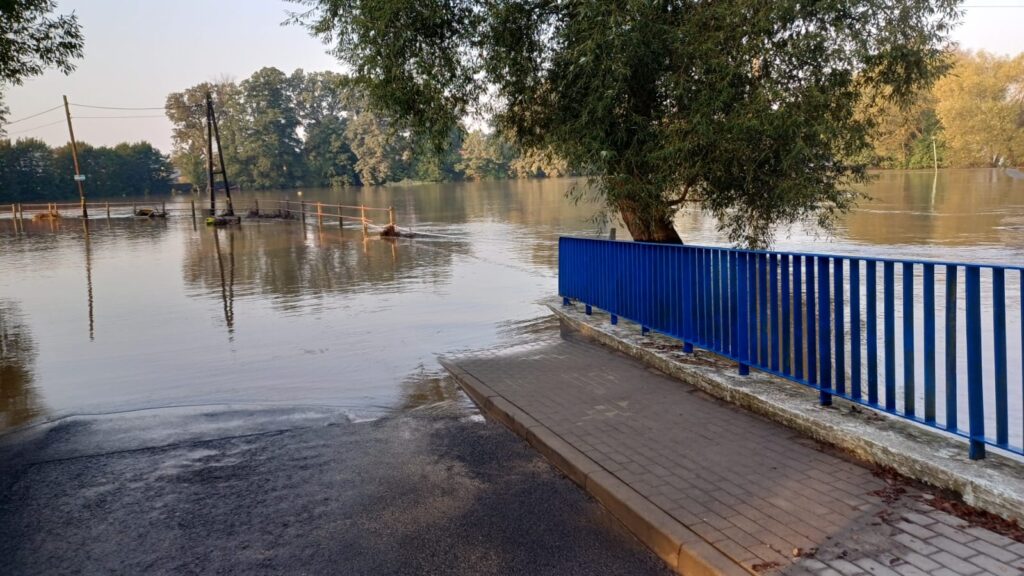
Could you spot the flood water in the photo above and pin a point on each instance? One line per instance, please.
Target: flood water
(141, 313)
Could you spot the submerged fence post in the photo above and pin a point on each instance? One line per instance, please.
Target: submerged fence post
(362, 213)
(107, 206)
(320, 214)
(391, 216)
(302, 211)
(193, 203)
(256, 205)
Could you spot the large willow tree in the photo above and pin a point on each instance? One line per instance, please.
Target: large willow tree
(745, 106)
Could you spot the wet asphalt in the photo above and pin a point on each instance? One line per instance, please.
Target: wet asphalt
(434, 490)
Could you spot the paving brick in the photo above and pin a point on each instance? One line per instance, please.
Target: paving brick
(747, 487)
(991, 550)
(991, 566)
(921, 562)
(946, 545)
(947, 560)
(919, 531)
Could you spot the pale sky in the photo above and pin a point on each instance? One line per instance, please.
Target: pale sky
(138, 51)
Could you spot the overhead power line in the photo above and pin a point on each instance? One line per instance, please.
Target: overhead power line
(120, 117)
(61, 121)
(133, 107)
(34, 115)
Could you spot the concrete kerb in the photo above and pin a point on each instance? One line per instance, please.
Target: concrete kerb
(682, 549)
(995, 484)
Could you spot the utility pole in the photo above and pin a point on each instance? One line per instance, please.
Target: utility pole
(213, 132)
(74, 156)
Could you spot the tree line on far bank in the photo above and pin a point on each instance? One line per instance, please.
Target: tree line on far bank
(32, 171)
(316, 129)
(972, 117)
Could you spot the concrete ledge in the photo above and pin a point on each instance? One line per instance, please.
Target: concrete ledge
(995, 484)
(682, 549)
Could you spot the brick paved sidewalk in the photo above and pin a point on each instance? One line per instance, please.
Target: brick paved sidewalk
(768, 498)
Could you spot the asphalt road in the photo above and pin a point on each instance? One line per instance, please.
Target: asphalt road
(296, 491)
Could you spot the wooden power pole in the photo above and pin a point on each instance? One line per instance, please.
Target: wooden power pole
(213, 133)
(79, 179)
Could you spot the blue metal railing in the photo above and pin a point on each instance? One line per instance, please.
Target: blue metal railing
(933, 345)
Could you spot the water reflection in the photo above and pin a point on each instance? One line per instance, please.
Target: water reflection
(88, 278)
(297, 270)
(19, 399)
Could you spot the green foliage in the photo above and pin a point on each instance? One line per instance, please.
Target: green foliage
(31, 41)
(745, 105)
(32, 171)
(981, 107)
(318, 129)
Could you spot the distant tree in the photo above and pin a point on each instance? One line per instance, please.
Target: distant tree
(329, 158)
(903, 134)
(28, 171)
(481, 157)
(538, 163)
(187, 112)
(744, 105)
(31, 40)
(981, 111)
(269, 144)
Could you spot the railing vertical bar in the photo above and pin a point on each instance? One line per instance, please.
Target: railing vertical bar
(798, 319)
(909, 388)
(975, 393)
(773, 309)
(855, 356)
(951, 345)
(871, 339)
(929, 343)
(743, 312)
(719, 300)
(839, 327)
(694, 302)
(999, 340)
(786, 350)
(824, 331)
(812, 344)
(724, 322)
(734, 316)
(762, 309)
(889, 273)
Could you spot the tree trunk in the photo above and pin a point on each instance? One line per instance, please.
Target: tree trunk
(644, 227)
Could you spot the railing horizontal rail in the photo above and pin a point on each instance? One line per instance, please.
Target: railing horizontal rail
(937, 343)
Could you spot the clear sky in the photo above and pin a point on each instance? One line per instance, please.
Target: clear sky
(136, 52)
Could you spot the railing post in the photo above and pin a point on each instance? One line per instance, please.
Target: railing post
(588, 310)
(362, 214)
(566, 302)
(302, 211)
(107, 206)
(742, 313)
(320, 214)
(975, 392)
(391, 216)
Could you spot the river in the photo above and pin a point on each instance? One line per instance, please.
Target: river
(145, 314)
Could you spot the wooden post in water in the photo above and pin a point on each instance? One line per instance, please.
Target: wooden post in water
(362, 214)
(256, 204)
(163, 207)
(320, 214)
(302, 211)
(107, 204)
(134, 213)
(391, 216)
(341, 218)
(193, 203)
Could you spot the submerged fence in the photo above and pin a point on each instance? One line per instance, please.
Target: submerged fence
(931, 342)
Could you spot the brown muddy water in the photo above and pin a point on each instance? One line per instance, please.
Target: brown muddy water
(150, 313)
